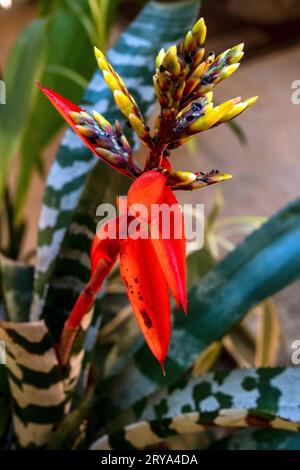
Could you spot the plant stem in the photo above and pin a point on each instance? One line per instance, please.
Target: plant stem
(82, 306)
(162, 138)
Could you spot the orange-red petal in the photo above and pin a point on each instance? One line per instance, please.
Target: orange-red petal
(107, 241)
(104, 253)
(148, 294)
(148, 189)
(170, 248)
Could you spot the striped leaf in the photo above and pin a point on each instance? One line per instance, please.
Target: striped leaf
(78, 182)
(267, 261)
(40, 389)
(248, 397)
(260, 439)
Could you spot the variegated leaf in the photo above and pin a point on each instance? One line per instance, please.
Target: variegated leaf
(239, 398)
(260, 439)
(40, 389)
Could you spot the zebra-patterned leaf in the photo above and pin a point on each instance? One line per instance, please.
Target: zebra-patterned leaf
(239, 398)
(260, 439)
(41, 391)
(133, 58)
(267, 261)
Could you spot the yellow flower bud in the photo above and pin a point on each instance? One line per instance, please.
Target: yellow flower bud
(87, 132)
(111, 157)
(188, 41)
(199, 29)
(227, 71)
(101, 120)
(123, 103)
(212, 117)
(111, 81)
(75, 116)
(238, 109)
(159, 58)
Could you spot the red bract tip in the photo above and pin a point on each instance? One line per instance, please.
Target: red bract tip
(63, 106)
(162, 365)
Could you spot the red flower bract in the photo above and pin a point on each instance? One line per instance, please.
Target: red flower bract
(149, 266)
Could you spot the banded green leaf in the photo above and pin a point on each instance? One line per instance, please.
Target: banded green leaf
(240, 398)
(260, 439)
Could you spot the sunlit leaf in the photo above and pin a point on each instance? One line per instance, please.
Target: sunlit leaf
(268, 337)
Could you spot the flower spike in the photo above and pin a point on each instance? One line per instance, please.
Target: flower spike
(149, 236)
(124, 100)
(187, 181)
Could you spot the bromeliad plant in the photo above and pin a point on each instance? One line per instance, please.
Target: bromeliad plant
(150, 266)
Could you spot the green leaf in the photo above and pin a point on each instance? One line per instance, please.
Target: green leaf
(24, 67)
(68, 74)
(207, 359)
(267, 261)
(198, 264)
(268, 338)
(260, 439)
(240, 344)
(133, 57)
(101, 12)
(16, 282)
(69, 428)
(238, 398)
(46, 7)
